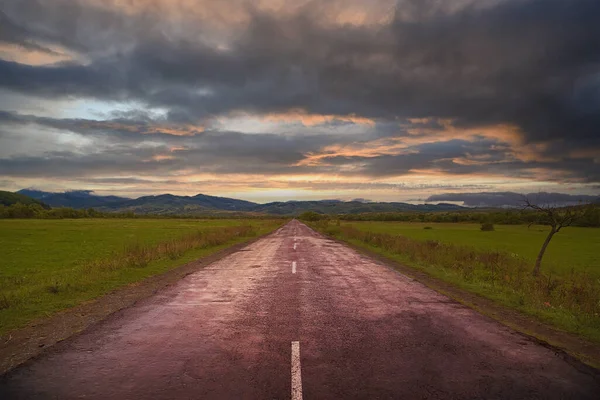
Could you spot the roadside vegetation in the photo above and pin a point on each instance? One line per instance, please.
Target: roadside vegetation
(496, 264)
(50, 265)
(33, 210)
(573, 249)
(514, 216)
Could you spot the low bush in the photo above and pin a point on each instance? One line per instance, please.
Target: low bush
(311, 216)
(487, 227)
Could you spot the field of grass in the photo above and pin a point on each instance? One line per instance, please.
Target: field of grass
(497, 265)
(571, 248)
(50, 265)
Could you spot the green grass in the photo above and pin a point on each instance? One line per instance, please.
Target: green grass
(571, 248)
(50, 265)
(465, 257)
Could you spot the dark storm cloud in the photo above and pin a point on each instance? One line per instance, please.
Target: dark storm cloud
(221, 150)
(143, 146)
(14, 34)
(127, 146)
(70, 164)
(531, 63)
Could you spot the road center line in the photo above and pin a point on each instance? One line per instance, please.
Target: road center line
(293, 267)
(296, 373)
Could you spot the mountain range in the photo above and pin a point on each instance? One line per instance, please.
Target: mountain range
(168, 204)
(73, 199)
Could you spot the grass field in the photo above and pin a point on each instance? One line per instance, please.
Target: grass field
(497, 265)
(571, 248)
(50, 265)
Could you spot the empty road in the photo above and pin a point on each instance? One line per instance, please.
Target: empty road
(297, 316)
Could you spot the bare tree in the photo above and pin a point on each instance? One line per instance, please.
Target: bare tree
(557, 218)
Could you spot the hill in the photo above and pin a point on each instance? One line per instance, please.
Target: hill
(170, 204)
(10, 198)
(73, 199)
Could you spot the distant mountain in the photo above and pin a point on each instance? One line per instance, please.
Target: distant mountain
(512, 199)
(224, 203)
(73, 199)
(169, 204)
(10, 198)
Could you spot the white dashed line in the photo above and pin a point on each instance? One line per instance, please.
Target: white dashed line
(293, 267)
(296, 373)
(295, 246)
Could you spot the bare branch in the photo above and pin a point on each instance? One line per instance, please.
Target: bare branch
(557, 218)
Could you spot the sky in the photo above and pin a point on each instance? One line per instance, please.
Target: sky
(269, 100)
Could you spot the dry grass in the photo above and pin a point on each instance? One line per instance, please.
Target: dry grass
(138, 255)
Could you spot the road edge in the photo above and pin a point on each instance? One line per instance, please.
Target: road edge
(37, 338)
(577, 352)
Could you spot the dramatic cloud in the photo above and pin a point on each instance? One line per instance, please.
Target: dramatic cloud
(491, 93)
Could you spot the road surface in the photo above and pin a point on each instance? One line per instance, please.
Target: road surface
(297, 316)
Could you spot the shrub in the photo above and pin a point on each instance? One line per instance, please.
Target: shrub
(311, 216)
(486, 227)
(427, 227)
(5, 301)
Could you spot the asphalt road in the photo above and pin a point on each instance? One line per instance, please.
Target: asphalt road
(295, 315)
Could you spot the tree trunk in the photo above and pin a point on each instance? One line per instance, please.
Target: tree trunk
(538, 261)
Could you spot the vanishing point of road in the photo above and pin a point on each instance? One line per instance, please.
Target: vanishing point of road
(295, 315)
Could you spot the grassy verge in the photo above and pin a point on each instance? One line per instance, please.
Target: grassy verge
(34, 285)
(574, 248)
(570, 302)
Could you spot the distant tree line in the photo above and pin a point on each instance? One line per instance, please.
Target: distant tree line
(591, 218)
(36, 211)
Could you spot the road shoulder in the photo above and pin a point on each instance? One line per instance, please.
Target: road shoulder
(580, 353)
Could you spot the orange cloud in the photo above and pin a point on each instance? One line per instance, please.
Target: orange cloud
(184, 130)
(374, 148)
(593, 153)
(162, 157)
(420, 132)
(508, 134)
(235, 12)
(502, 132)
(315, 119)
(29, 56)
